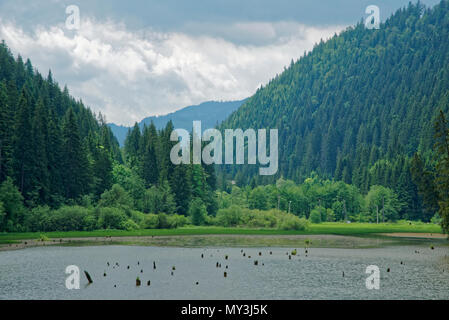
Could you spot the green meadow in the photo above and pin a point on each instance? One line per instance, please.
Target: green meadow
(329, 228)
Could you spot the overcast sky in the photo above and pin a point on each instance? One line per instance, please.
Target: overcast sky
(132, 59)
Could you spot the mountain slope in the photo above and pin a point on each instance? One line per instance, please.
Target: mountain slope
(52, 147)
(358, 106)
(210, 113)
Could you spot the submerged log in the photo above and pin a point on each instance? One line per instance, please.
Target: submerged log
(88, 276)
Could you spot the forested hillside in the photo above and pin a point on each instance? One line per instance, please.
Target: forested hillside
(52, 148)
(358, 106)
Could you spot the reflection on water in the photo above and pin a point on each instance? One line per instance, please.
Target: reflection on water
(39, 273)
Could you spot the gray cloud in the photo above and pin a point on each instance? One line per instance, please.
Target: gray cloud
(128, 75)
(149, 57)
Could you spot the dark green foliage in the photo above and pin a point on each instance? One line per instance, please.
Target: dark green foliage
(117, 197)
(170, 187)
(434, 183)
(51, 145)
(197, 212)
(12, 209)
(358, 106)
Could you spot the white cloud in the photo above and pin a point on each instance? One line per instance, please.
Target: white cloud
(129, 75)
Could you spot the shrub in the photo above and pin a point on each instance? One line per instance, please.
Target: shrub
(260, 219)
(90, 222)
(116, 197)
(129, 225)
(137, 216)
(176, 220)
(159, 199)
(315, 216)
(151, 221)
(292, 222)
(69, 218)
(197, 211)
(111, 218)
(13, 209)
(330, 215)
(229, 217)
(164, 221)
(436, 219)
(258, 199)
(38, 219)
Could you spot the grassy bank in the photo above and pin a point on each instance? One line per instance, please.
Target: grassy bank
(332, 228)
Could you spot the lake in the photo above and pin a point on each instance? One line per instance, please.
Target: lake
(39, 273)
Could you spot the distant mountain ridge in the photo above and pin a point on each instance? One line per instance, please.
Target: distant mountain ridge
(210, 113)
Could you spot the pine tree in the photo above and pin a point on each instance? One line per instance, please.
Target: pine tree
(40, 174)
(442, 168)
(76, 164)
(132, 145)
(6, 125)
(150, 171)
(22, 144)
(180, 185)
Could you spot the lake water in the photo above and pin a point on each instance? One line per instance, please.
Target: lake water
(39, 273)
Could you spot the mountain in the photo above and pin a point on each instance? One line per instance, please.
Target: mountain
(52, 147)
(358, 106)
(210, 113)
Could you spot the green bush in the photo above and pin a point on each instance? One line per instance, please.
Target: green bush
(137, 216)
(13, 209)
(2, 211)
(330, 215)
(236, 216)
(117, 197)
(436, 219)
(197, 212)
(315, 216)
(229, 217)
(164, 221)
(111, 218)
(259, 218)
(38, 219)
(69, 218)
(176, 220)
(151, 221)
(292, 222)
(129, 225)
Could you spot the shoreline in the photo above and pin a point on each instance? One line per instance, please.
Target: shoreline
(241, 240)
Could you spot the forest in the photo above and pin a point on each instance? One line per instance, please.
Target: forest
(358, 107)
(360, 140)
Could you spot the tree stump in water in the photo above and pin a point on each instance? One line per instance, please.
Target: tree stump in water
(88, 276)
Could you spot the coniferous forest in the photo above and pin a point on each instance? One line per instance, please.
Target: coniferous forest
(359, 107)
(363, 136)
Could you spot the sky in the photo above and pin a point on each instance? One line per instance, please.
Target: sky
(138, 58)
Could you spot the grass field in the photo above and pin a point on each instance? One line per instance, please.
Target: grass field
(332, 228)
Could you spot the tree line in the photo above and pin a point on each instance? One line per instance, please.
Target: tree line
(344, 155)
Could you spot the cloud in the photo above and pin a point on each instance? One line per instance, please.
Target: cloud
(128, 74)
